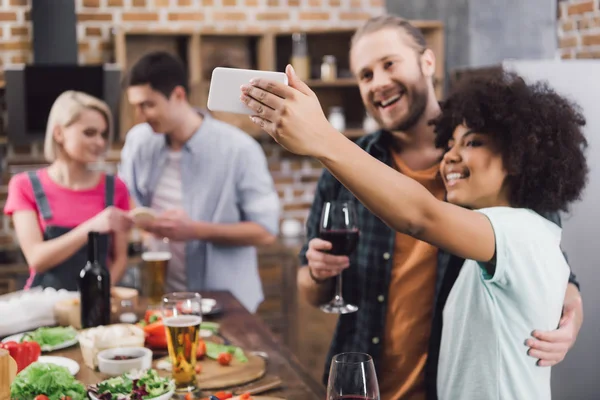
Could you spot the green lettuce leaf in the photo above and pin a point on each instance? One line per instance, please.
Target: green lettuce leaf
(50, 336)
(52, 380)
(214, 349)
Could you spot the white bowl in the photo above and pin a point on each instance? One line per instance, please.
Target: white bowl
(107, 365)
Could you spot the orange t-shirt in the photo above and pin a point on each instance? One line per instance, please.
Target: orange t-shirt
(409, 304)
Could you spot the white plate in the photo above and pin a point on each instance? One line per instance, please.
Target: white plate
(165, 396)
(45, 348)
(71, 365)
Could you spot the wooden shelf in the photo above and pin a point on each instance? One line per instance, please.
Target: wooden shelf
(266, 49)
(341, 82)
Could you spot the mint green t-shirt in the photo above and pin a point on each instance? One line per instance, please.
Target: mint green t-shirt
(487, 319)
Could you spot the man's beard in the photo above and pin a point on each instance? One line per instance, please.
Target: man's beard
(416, 109)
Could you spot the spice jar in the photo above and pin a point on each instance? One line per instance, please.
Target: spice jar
(329, 68)
(337, 119)
(300, 59)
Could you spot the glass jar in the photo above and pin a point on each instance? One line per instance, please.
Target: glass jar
(329, 68)
(337, 118)
(300, 60)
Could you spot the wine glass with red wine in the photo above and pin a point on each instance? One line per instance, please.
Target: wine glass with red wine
(339, 226)
(352, 377)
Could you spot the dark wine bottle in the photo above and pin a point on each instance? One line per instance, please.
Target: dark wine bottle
(94, 287)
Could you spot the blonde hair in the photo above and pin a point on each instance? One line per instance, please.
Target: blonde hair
(387, 21)
(66, 110)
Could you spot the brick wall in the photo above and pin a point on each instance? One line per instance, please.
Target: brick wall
(97, 18)
(295, 177)
(579, 29)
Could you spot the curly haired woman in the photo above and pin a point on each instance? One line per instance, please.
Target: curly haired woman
(513, 151)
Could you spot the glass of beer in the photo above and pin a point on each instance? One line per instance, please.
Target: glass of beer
(182, 315)
(156, 256)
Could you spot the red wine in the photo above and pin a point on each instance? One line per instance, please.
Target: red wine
(343, 241)
(94, 287)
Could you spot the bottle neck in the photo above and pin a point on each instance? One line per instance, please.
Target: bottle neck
(93, 247)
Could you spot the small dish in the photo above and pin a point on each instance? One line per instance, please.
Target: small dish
(71, 365)
(210, 306)
(136, 358)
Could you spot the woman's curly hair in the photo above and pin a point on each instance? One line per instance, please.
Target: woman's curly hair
(539, 134)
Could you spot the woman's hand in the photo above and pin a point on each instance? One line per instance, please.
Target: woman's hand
(292, 114)
(111, 219)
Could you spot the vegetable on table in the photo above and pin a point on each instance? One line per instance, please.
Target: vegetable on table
(24, 353)
(213, 350)
(52, 381)
(223, 395)
(200, 349)
(50, 336)
(224, 359)
(146, 384)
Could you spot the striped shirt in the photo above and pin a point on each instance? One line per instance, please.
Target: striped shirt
(169, 196)
(224, 180)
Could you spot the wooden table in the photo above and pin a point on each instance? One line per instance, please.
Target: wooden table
(250, 333)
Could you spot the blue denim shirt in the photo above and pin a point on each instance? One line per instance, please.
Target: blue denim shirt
(225, 179)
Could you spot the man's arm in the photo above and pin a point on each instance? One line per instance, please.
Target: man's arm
(258, 203)
(236, 234)
(551, 347)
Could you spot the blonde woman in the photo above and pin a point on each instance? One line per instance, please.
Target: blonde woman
(54, 208)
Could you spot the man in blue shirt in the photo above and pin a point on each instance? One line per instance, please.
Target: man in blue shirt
(208, 181)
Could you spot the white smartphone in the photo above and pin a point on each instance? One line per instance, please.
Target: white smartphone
(224, 93)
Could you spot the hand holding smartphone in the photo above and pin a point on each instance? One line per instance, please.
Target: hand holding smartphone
(224, 92)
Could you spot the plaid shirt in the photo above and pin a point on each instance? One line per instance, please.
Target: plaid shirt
(366, 282)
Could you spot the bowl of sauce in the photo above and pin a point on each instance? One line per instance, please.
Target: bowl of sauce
(117, 361)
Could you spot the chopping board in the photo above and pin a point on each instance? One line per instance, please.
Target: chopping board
(8, 372)
(260, 398)
(217, 376)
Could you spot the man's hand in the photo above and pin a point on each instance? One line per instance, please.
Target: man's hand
(551, 347)
(322, 265)
(173, 224)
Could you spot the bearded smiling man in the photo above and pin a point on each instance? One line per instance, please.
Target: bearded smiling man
(399, 283)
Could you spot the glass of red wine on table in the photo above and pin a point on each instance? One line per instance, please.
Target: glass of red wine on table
(352, 377)
(339, 226)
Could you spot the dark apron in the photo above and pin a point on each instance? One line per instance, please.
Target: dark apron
(66, 274)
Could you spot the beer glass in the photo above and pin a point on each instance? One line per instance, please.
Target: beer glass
(182, 315)
(156, 256)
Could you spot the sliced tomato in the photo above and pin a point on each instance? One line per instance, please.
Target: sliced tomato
(155, 329)
(223, 395)
(41, 397)
(245, 396)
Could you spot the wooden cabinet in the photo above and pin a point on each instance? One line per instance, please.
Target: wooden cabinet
(202, 51)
